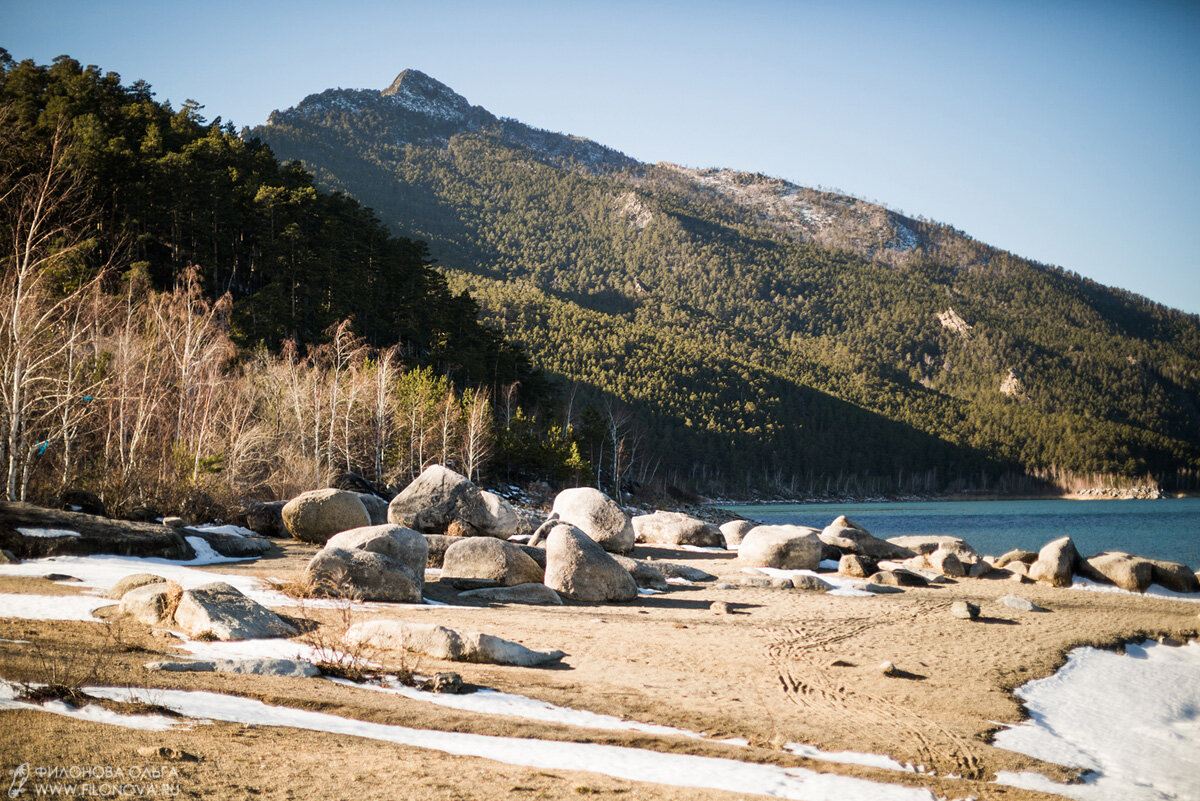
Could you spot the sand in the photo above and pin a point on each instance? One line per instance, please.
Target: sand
(785, 666)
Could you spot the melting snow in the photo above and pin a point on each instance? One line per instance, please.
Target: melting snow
(847, 757)
(229, 528)
(91, 712)
(47, 533)
(634, 764)
(1141, 743)
(1154, 591)
(494, 702)
(50, 607)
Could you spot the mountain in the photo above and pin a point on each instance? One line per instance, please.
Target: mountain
(740, 333)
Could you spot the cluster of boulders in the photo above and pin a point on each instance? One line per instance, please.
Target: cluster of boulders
(216, 611)
(443, 520)
(920, 560)
(1058, 562)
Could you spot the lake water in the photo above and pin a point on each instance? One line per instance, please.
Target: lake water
(1163, 529)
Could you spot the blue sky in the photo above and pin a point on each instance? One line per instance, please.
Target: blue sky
(1067, 132)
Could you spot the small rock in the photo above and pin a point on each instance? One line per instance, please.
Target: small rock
(964, 610)
(7, 558)
(888, 669)
(1020, 604)
(1170, 642)
(880, 589)
(719, 608)
(60, 577)
(899, 578)
(183, 666)
(811, 583)
(449, 683)
(174, 522)
(269, 667)
(164, 752)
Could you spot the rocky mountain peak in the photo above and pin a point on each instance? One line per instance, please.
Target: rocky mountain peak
(418, 92)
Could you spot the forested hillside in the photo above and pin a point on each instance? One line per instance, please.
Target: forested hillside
(188, 324)
(737, 332)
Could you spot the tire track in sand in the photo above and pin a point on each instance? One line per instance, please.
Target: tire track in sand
(800, 656)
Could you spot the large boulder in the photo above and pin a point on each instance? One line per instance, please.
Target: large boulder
(1113, 567)
(1016, 555)
(491, 560)
(856, 566)
(440, 642)
(946, 561)
(372, 563)
(1056, 563)
(1173, 576)
(437, 498)
(149, 603)
(676, 528)
(220, 611)
(529, 594)
(265, 518)
(734, 530)
(597, 516)
(395, 542)
(317, 515)
(504, 520)
(579, 569)
(927, 544)
(132, 582)
(644, 574)
(377, 508)
(784, 547)
(849, 537)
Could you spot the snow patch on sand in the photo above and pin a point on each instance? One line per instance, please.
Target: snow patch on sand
(847, 757)
(1154, 590)
(50, 607)
(1131, 721)
(91, 712)
(494, 702)
(633, 764)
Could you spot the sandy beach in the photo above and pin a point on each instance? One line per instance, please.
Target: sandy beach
(779, 667)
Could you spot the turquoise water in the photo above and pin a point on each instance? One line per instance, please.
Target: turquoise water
(1163, 529)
